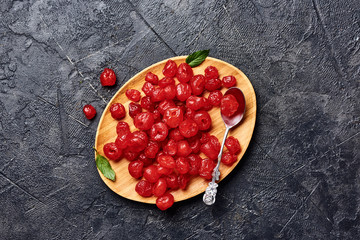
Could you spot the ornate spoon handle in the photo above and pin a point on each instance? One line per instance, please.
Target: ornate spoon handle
(210, 192)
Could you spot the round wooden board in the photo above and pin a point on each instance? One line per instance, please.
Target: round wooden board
(106, 132)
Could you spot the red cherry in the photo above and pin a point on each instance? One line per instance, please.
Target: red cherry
(148, 89)
(138, 141)
(164, 105)
(158, 132)
(195, 163)
(112, 152)
(233, 145)
(173, 116)
(203, 120)
(176, 135)
(188, 128)
(184, 73)
(158, 95)
(170, 68)
(211, 72)
(170, 92)
(159, 187)
(117, 111)
(134, 109)
(166, 81)
(183, 148)
(229, 81)
(147, 104)
(194, 143)
(151, 78)
(133, 95)
(170, 148)
(144, 188)
(197, 84)
(130, 155)
(152, 149)
(183, 180)
(195, 103)
(212, 84)
(211, 148)
(164, 171)
(165, 201)
(166, 161)
(215, 97)
(122, 128)
(147, 161)
(183, 91)
(135, 168)
(229, 105)
(144, 121)
(108, 77)
(151, 174)
(172, 181)
(228, 159)
(89, 111)
(122, 141)
(205, 136)
(206, 168)
(182, 165)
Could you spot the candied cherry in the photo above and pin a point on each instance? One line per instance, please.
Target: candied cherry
(135, 168)
(194, 143)
(228, 159)
(207, 105)
(117, 111)
(188, 128)
(122, 140)
(157, 117)
(164, 171)
(203, 120)
(159, 187)
(171, 147)
(228, 81)
(195, 163)
(144, 188)
(112, 151)
(147, 161)
(165, 201)
(197, 84)
(182, 165)
(183, 91)
(212, 84)
(144, 121)
(148, 89)
(122, 128)
(138, 141)
(184, 72)
(170, 68)
(158, 95)
(215, 97)
(152, 149)
(108, 77)
(158, 132)
(194, 102)
(172, 181)
(211, 148)
(229, 105)
(206, 168)
(130, 155)
(151, 174)
(176, 135)
(183, 148)
(147, 104)
(166, 161)
(164, 105)
(89, 111)
(189, 113)
(152, 78)
(134, 109)
(183, 180)
(233, 145)
(173, 116)
(166, 81)
(205, 136)
(211, 72)
(170, 92)
(133, 95)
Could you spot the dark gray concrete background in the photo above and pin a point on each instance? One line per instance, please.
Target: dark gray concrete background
(300, 177)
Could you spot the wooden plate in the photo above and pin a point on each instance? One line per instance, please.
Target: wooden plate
(106, 132)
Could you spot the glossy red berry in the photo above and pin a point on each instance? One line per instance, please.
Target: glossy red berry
(165, 201)
(135, 168)
(166, 81)
(197, 84)
(183, 180)
(215, 98)
(89, 111)
(112, 152)
(212, 84)
(152, 78)
(138, 141)
(164, 171)
(170, 69)
(133, 95)
(176, 135)
(184, 73)
(147, 161)
(148, 89)
(122, 128)
(206, 168)
(188, 128)
(130, 155)
(159, 187)
(207, 105)
(205, 136)
(117, 111)
(228, 159)
(211, 148)
(166, 161)
(108, 77)
(158, 95)
(211, 72)
(144, 121)
(172, 181)
(144, 188)
(147, 104)
(229, 81)
(195, 103)
(152, 149)
(195, 163)
(228, 105)
(170, 148)
(134, 109)
(170, 92)
(233, 145)
(182, 165)
(151, 174)
(189, 113)
(164, 105)
(203, 120)
(194, 143)
(122, 140)
(158, 132)
(183, 91)
(173, 116)
(183, 148)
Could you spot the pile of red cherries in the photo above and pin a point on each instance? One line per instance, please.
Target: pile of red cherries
(173, 129)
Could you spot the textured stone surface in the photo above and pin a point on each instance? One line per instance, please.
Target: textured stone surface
(300, 177)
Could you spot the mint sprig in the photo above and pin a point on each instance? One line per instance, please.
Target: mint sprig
(104, 166)
(196, 58)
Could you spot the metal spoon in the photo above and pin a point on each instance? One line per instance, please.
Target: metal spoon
(211, 190)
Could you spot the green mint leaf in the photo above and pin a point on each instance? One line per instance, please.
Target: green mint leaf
(104, 166)
(196, 58)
